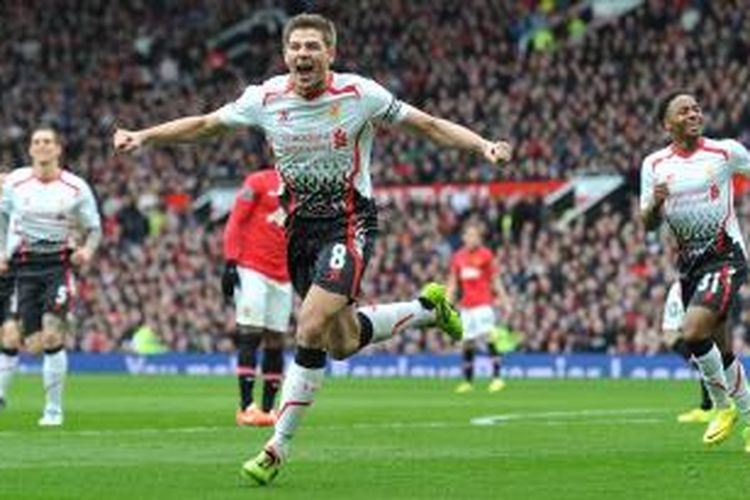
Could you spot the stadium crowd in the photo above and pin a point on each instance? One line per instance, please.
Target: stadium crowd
(572, 92)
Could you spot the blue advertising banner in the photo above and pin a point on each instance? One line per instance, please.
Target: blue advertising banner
(574, 366)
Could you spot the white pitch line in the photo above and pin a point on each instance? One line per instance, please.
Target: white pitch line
(564, 416)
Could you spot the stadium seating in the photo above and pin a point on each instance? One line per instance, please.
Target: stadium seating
(580, 101)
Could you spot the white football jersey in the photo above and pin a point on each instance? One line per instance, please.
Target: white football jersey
(699, 210)
(44, 214)
(322, 145)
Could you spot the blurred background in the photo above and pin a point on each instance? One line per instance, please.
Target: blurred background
(573, 85)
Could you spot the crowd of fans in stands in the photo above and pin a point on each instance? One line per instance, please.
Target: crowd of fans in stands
(578, 99)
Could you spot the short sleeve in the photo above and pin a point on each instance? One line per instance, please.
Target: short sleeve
(245, 111)
(647, 184)
(88, 211)
(739, 157)
(381, 104)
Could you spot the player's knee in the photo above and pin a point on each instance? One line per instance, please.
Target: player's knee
(33, 344)
(11, 338)
(343, 346)
(339, 352)
(248, 337)
(52, 324)
(273, 340)
(310, 330)
(695, 330)
(51, 339)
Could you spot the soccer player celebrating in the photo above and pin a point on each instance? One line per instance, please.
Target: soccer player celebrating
(46, 206)
(671, 325)
(473, 271)
(256, 277)
(321, 126)
(688, 185)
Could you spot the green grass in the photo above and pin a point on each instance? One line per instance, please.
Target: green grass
(174, 437)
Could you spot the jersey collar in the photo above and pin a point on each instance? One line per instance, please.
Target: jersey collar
(684, 153)
(317, 93)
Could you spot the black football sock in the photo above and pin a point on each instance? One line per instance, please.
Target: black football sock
(469, 364)
(496, 360)
(273, 366)
(247, 346)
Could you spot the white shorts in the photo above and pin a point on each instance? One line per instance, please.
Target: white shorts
(262, 302)
(674, 310)
(478, 321)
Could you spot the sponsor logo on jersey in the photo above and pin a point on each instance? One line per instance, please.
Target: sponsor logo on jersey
(469, 273)
(714, 192)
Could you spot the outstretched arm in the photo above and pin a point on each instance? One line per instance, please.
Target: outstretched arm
(185, 129)
(453, 135)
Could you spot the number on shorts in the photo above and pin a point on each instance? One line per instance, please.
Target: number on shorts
(62, 295)
(710, 282)
(338, 256)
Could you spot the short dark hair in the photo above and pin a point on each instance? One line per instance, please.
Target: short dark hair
(313, 21)
(48, 128)
(663, 106)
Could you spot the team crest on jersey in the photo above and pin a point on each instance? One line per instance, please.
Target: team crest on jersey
(334, 111)
(283, 116)
(714, 191)
(340, 139)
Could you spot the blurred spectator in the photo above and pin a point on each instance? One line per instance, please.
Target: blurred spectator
(133, 224)
(584, 106)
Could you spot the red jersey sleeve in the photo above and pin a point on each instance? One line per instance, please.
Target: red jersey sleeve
(243, 207)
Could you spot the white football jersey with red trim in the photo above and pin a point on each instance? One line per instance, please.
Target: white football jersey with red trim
(322, 144)
(45, 214)
(699, 210)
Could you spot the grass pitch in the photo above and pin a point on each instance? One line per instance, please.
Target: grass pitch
(174, 437)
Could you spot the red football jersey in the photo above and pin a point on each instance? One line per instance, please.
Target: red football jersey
(254, 236)
(475, 270)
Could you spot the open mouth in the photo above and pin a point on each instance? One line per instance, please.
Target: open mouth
(304, 69)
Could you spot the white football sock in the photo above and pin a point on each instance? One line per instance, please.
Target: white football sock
(54, 368)
(712, 369)
(738, 389)
(297, 394)
(8, 366)
(390, 319)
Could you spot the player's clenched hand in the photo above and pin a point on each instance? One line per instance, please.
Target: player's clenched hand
(661, 192)
(127, 140)
(497, 152)
(4, 265)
